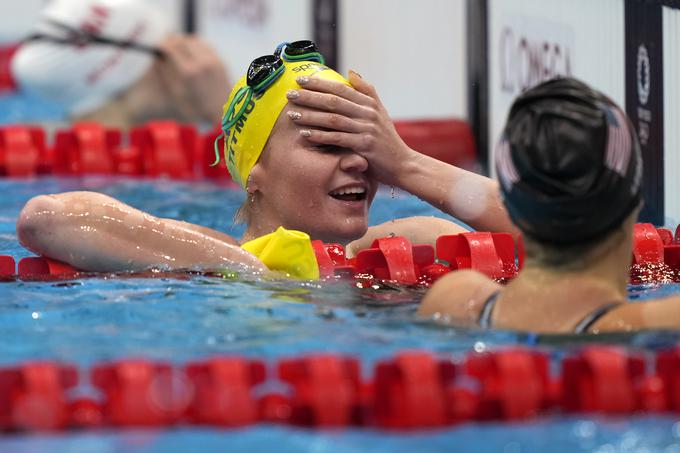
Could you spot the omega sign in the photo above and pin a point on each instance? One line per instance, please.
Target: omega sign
(528, 60)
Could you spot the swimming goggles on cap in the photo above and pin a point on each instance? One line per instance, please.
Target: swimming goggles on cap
(262, 73)
(79, 38)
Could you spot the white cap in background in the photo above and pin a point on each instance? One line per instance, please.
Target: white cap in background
(83, 76)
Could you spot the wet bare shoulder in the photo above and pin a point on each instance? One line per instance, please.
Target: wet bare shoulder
(459, 296)
(654, 314)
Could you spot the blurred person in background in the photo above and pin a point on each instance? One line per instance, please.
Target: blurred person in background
(117, 62)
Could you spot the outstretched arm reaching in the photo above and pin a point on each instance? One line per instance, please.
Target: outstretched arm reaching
(95, 232)
(331, 113)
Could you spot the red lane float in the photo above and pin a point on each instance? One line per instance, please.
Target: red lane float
(86, 148)
(326, 390)
(168, 149)
(666, 236)
(33, 397)
(410, 391)
(668, 371)
(515, 383)
(175, 150)
(396, 259)
(602, 379)
(7, 268)
(647, 244)
(221, 391)
(492, 254)
(141, 393)
(671, 257)
(38, 268)
(414, 389)
(7, 82)
(323, 259)
(655, 256)
(22, 151)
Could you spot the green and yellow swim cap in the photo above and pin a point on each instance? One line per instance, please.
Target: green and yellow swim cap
(247, 137)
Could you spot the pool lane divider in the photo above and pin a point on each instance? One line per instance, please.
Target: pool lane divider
(656, 258)
(167, 149)
(411, 390)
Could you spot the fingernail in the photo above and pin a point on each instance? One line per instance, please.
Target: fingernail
(294, 115)
(302, 79)
(355, 73)
(292, 94)
(305, 132)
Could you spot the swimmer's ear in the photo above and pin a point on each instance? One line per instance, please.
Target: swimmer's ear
(255, 178)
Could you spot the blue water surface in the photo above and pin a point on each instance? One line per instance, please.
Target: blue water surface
(27, 108)
(179, 319)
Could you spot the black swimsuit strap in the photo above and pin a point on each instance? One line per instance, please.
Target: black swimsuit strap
(487, 311)
(587, 322)
(582, 327)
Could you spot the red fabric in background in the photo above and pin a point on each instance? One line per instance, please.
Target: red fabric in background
(6, 80)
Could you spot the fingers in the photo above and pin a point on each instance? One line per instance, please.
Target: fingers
(362, 86)
(336, 88)
(357, 142)
(327, 120)
(330, 103)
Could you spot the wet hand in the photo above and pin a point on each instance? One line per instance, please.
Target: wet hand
(332, 113)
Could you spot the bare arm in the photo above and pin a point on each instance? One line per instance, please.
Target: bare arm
(355, 118)
(418, 230)
(95, 232)
(653, 314)
(196, 78)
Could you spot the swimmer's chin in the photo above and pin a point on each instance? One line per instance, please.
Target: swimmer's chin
(344, 238)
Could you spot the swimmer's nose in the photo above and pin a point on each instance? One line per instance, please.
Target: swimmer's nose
(353, 162)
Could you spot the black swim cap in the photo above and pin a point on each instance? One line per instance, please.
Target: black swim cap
(569, 163)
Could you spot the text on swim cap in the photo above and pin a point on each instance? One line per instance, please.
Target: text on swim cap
(238, 127)
(306, 67)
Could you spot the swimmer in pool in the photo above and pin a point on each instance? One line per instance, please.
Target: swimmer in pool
(324, 191)
(353, 117)
(117, 62)
(570, 169)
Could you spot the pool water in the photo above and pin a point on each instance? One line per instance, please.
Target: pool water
(96, 319)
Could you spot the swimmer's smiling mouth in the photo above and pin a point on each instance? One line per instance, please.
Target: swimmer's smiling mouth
(349, 193)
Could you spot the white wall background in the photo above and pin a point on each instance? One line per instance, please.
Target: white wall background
(671, 90)
(590, 31)
(412, 51)
(242, 30)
